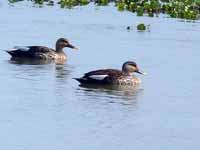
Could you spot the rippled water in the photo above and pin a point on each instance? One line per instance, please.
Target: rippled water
(42, 107)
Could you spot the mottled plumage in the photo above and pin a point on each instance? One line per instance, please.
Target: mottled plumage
(42, 52)
(112, 76)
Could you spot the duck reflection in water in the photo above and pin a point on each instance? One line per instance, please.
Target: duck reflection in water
(63, 71)
(126, 95)
(27, 61)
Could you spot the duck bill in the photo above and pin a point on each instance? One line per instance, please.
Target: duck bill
(141, 72)
(71, 46)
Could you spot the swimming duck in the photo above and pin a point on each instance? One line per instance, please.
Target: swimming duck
(113, 76)
(42, 52)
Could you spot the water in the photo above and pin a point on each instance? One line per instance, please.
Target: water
(42, 107)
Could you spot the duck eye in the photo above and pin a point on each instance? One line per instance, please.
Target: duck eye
(133, 65)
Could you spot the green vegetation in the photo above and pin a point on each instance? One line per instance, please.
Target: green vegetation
(14, 1)
(50, 3)
(72, 3)
(101, 2)
(185, 9)
(121, 6)
(141, 27)
(39, 2)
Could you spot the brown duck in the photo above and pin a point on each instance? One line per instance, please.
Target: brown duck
(113, 76)
(42, 52)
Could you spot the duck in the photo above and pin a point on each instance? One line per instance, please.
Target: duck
(113, 76)
(42, 52)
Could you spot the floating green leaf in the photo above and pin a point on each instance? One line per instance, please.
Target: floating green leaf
(141, 27)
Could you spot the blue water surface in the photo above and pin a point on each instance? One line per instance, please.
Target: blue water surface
(42, 107)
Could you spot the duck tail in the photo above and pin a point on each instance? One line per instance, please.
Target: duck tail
(10, 52)
(7, 51)
(77, 79)
(81, 80)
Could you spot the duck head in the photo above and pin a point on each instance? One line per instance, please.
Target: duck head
(62, 43)
(130, 67)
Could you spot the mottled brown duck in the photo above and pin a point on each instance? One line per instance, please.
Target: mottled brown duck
(42, 52)
(113, 76)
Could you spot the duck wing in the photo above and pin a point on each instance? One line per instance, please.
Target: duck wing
(112, 73)
(100, 76)
(29, 51)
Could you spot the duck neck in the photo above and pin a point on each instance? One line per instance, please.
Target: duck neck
(59, 49)
(125, 72)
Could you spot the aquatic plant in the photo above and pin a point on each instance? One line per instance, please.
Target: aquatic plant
(141, 27)
(185, 9)
(50, 3)
(14, 1)
(139, 11)
(101, 2)
(84, 2)
(121, 6)
(67, 3)
(72, 3)
(132, 6)
(39, 2)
